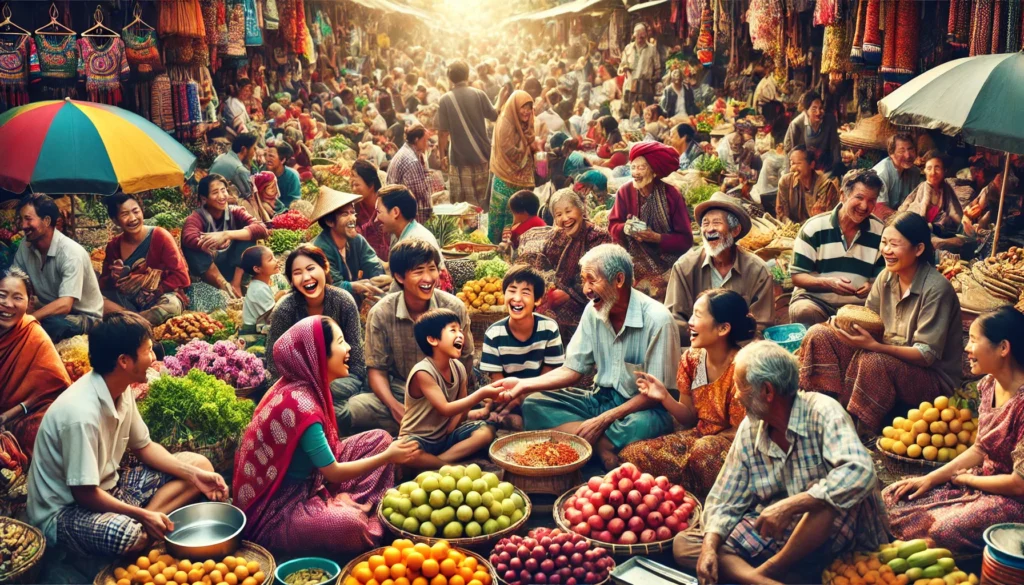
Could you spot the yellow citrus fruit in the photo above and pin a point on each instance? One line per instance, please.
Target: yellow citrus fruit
(919, 427)
(181, 577)
(914, 451)
(420, 581)
(159, 580)
(955, 426)
(430, 568)
(402, 543)
(120, 573)
(923, 440)
(241, 571)
(939, 427)
(899, 448)
(230, 579)
(448, 567)
(143, 562)
(898, 422)
(887, 432)
(132, 569)
(925, 406)
(941, 402)
(968, 425)
(439, 551)
(209, 565)
(249, 581)
(885, 443)
(185, 565)
(169, 572)
(230, 563)
(216, 576)
(260, 576)
(401, 581)
(930, 453)
(466, 573)
(362, 574)
(415, 561)
(960, 448)
(157, 567)
(392, 555)
(382, 572)
(483, 577)
(143, 576)
(914, 414)
(938, 441)
(908, 425)
(167, 560)
(950, 439)
(222, 568)
(376, 561)
(195, 575)
(124, 582)
(944, 455)
(439, 580)
(456, 556)
(964, 437)
(456, 580)
(397, 570)
(930, 415)
(906, 438)
(965, 414)
(948, 414)
(471, 563)
(422, 548)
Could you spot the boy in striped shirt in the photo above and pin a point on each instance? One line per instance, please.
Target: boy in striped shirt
(524, 344)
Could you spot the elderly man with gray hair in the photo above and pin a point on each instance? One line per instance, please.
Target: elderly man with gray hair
(622, 333)
(640, 64)
(720, 263)
(797, 487)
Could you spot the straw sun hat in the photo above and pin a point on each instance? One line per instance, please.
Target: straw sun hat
(330, 201)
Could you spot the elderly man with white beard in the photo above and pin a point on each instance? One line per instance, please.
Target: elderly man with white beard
(622, 333)
(720, 263)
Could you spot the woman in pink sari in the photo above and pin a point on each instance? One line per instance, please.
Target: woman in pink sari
(302, 488)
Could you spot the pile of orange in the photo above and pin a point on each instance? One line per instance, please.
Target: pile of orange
(405, 563)
(162, 569)
(935, 432)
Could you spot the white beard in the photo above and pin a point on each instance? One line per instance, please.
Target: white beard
(720, 245)
(642, 182)
(605, 312)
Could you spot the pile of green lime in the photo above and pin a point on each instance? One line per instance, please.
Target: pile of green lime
(454, 502)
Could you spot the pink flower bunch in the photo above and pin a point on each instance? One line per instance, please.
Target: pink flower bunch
(223, 360)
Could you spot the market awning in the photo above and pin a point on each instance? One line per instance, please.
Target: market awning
(644, 5)
(390, 6)
(573, 7)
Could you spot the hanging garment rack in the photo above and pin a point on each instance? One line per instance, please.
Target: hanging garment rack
(7, 26)
(103, 31)
(58, 28)
(137, 12)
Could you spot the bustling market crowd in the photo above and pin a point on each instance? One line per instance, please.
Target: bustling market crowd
(624, 332)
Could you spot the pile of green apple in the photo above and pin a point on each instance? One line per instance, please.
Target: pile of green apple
(454, 502)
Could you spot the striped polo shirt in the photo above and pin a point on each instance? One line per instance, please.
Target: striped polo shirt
(504, 354)
(821, 249)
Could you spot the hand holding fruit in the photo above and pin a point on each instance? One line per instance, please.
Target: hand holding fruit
(651, 387)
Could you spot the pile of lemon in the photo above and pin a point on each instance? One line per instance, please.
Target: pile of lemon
(482, 294)
(935, 432)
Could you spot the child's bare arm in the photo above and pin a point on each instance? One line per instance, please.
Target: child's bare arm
(435, 396)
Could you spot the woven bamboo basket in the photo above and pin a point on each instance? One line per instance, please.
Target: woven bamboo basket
(481, 320)
(501, 451)
(476, 541)
(480, 560)
(27, 568)
(249, 550)
(648, 548)
(906, 466)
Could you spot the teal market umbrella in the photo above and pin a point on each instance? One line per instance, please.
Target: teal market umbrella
(977, 97)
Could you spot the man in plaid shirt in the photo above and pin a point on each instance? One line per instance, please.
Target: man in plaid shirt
(409, 168)
(797, 487)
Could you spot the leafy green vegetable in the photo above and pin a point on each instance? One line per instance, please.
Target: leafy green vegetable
(479, 237)
(445, 228)
(495, 267)
(197, 408)
(778, 274)
(700, 194)
(309, 190)
(167, 220)
(222, 317)
(710, 164)
(281, 241)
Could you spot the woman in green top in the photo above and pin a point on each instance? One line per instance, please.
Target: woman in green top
(352, 260)
(304, 489)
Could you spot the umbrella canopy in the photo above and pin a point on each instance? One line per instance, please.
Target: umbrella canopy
(81, 147)
(979, 97)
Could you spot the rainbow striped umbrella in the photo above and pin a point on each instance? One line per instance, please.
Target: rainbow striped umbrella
(81, 147)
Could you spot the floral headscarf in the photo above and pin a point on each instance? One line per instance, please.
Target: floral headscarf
(512, 150)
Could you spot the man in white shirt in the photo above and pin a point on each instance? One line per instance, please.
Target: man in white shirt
(75, 494)
(677, 100)
(640, 65)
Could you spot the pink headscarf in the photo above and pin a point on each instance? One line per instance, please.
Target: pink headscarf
(302, 397)
(664, 160)
(263, 181)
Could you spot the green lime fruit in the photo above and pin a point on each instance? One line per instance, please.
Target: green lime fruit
(456, 498)
(445, 470)
(430, 484)
(504, 522)
(437, 518)
(437, 499)
(507, 507)
(411, 525)
(473, 529)
(423, 476)
(458, 472)
(495, 509)
(464, 513)
(392, 492)
(447, 484)
(427, 529)
(387, 512)
(487, 498)
(473, 500)
(498, 494)
(480, 486)
(517, 516)
(418, 497)
(396, 519)
(448, 514)
(389, 502)
(518, 501)
(406, 488)
(481, 514)
(473, 471)
(404, 505)
(507, 488)
(422, 513)
(491, 526)
(464, 485)
(491, 480)
(453, 530)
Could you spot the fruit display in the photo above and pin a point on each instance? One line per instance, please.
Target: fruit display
(187, 327)
(550, 557)
(898, 563)
(74, 352)
(455, 502)
(157, 568)
(629, 507)
(934, 432)
(482, 294)
(950, 265)
(405, 562)
(292, 219)
(545, 454)
(18, 546)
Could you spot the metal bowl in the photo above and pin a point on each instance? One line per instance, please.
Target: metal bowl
(285, 570)
(205, 531)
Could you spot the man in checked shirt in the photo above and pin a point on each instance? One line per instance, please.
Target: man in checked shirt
(796, 489)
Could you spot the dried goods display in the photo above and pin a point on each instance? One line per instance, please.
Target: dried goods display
(545, 454)
(187, 327)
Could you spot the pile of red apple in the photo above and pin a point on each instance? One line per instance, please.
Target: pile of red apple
(550, 557)
(627, 507)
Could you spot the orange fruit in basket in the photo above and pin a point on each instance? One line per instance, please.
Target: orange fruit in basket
(456, 556)
(448, 567)
(439, 580)
(456, 580)
(466, 573)
(382, 572)
(392, 555)
(401, 581)
(470, 563)
(415, 561)
(430, 568)
(397, 570)
(387, 582)
(420, 581)
(474, 582)
(402, 544)
(422, 548)
(351, 581)
(376, 561)
(439, 551)
(362, 573)
(483, 577)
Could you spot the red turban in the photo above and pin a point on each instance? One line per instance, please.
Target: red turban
(664, 160)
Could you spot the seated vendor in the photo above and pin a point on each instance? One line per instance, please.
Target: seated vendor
(827, 276)
(611, 148)
(32, 371)
(143, 270)
(76, 495)
(804, 191)
(215, 235)
(720, 263)
(707, 408)
(666, 232)
(797, 487)
(68, 295)
(935, 200)
(262, 204)
(353, 262)
(920, 354)
(984, 485)
(321, 490)
(391, 346)
(899, 173)
(622, 332)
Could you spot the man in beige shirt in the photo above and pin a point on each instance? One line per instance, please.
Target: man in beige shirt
(720, 263)
(804, 191)
(640, 64)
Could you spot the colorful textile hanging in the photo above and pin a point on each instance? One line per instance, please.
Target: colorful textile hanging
(18, 64)
(857, 46)
(765, 18)
(236, 29)
(835, 55)
(104, 69)
(161, 112)
(981, 27)
(997, 28)
(58, 64)
(253, 33)
(706, 39)
(694, 12)
(900, 51)
(872, 33)
(182, 18)
(1013, 26)
(889, 42)
(959, 29)
(826, 12)
(142, 54)
(271, 17)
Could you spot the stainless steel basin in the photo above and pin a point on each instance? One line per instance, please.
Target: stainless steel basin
(208, 530)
